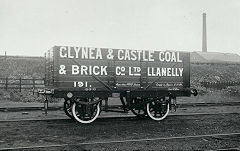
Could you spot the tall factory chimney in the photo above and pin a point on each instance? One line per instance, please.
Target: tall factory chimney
(204, 34)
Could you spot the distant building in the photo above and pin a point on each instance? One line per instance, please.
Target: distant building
(214, 57)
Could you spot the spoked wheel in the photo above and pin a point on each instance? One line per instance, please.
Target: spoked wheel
(67, 106)
(85, 113)
(139, 109)
(158, 110)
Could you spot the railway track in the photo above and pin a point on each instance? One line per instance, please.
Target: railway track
(52, 108)
(107, 118)
(115, 117)
(125, 116)
(222, 136)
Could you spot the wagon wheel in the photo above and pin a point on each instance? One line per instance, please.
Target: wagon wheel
(158, 110)
(67, 106)
(138, 108)
(85, 113)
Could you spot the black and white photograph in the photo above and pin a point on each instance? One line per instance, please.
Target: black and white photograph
(103, 75)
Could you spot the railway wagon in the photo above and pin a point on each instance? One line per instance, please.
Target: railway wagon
(146, 82)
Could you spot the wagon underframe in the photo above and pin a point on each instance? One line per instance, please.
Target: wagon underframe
(85, 106)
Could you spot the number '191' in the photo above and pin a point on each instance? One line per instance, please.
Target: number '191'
(80, 84)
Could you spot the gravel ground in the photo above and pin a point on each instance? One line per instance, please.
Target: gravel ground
(31, 133)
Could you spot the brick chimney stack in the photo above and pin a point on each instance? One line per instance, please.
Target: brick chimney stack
(204, 34)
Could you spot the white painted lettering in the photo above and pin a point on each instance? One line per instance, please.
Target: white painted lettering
(77, 49)
(84, 53)
(104, 70)
(99, 54)
(167, 56)
(120, 57)
(178, 57)
(84, 70)
(69, 53)
(95, 72)
(133, 54)
(63, 53)
(127, 55)
(161, 56)
(173, 58)
(91, 53)
(181, 71)
(75, 69)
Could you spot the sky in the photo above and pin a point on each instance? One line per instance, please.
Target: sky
(31, 27)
